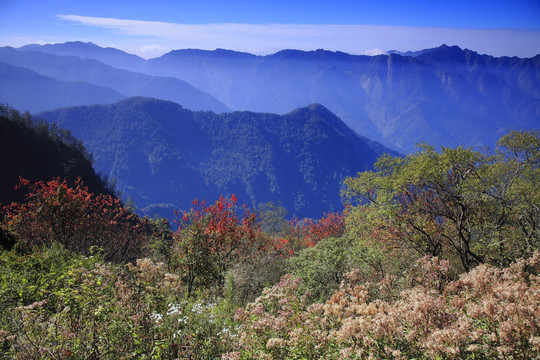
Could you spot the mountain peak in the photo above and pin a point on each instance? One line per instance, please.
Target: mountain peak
(320, 109)
(82, 44)
(79, 45)
(310, 55)
(88, 50)
(446, 54)
(220, 53)
(320, 112)
(315, 107)
(299, 159)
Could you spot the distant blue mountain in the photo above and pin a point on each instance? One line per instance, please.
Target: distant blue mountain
(444, 96)
(87, 50)
(163, 155)
(127, 83)
(27, 90)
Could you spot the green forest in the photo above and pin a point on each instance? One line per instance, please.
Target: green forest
(436, 256)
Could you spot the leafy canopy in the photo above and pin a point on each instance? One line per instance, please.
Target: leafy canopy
(469, 206)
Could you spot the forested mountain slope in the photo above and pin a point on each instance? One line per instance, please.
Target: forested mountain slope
(163, 155)
(39, 152)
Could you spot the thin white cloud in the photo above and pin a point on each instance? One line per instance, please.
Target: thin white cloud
(373, 52)
(151, 50)
(152, 38)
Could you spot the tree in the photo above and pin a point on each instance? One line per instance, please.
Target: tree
(518, 191)
(210, 239)
(321, 267)
(272, 219)
(458, 203)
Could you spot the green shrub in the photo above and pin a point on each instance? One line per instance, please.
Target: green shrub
(321, 267)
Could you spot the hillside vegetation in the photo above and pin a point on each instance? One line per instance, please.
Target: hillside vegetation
(163, 155)
(37, 151)
(436, 256)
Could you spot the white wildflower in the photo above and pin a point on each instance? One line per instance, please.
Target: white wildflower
(197, 308)
(156, 317)
(174, 309)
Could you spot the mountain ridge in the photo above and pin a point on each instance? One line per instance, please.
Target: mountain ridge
(395, 99)
(445, 96)
(163, 155)
(27, 90)
(72, 68)
(89, 50)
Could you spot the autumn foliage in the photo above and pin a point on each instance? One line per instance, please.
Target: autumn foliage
(79, 220)
(210, 238)
(306, 233)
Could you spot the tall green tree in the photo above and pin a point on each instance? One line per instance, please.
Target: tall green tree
(475, 207)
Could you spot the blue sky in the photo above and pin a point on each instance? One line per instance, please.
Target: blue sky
(151, 28)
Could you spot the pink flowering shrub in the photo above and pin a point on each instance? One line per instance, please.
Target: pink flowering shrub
(488, 313)
(280, 324)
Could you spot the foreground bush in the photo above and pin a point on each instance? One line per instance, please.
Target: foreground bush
(77, 284)
(79, 220)
(211, 238)
(58, 305)
(488, 313)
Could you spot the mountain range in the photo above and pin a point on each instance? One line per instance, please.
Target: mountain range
(444, 96)
(100, 83)
(28, 90)
(163, 155)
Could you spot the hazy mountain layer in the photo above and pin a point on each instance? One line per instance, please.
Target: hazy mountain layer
(163, 155)
(27, 90)
(72, 68)
(110, 56)
(444, 96)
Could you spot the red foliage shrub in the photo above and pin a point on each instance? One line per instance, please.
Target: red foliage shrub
(210, 238)
(78, 219)
(308, 232)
